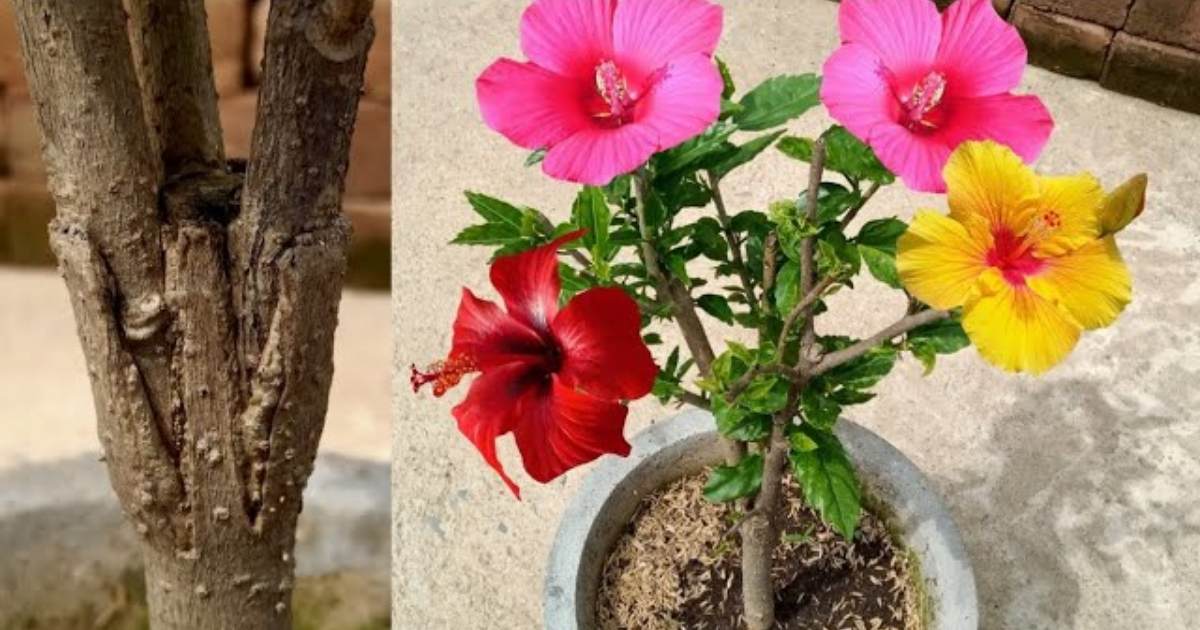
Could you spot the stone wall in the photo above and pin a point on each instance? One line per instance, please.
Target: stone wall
(1145, 48)
(237, 30)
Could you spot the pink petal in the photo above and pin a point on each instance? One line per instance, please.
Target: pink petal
(529, 105)
(1021, 122)
(489, 411)
(684, 102)
(595, 155)
(980, 53)
(569, 37)
(903, 33)
(648, 34)
(529, 282)
(917, 159)
(855, 90)
(599, 332)
(563, 428)
(492, 337)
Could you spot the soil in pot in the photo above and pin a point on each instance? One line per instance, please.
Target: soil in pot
(675, 567)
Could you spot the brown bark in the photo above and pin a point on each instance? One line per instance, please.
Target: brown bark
(206, 308)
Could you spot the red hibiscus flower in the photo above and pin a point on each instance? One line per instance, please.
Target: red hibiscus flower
(556, 379)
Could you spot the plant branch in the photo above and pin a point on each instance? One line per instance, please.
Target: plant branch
(683, 308)
(803, 306)
(694, 399)
(807, 268)
(312, 80)
(746, 379)
(770, 248)
(173, 56)
(735, 245)
(871, 190)
(902, 326)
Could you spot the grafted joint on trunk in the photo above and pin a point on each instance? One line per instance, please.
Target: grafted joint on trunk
(282, 422)
(140, 460)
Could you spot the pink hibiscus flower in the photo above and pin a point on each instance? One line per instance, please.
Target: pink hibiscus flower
(556, 379)
(914, 85)
(609, 83)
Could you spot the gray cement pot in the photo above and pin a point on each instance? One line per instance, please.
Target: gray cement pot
(686, 444)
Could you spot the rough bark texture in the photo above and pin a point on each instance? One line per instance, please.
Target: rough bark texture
(205, 297)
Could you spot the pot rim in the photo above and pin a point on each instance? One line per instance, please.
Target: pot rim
(686, 443)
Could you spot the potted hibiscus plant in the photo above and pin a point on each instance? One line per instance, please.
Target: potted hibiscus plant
(627, 98)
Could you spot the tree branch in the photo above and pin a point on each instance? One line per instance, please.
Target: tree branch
(871, 190)
(904, 325)
(735, 245)
(807, 268)
(102, 173)
(682, 306)
(312, 79)
(173, 58)
(694, 399)
(803, 307)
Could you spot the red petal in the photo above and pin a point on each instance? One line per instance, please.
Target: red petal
(599, 333)
(489, 411)
(491, 337)
(529, 282)
(564, 428)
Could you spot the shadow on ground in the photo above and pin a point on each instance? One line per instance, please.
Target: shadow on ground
(1080, 494)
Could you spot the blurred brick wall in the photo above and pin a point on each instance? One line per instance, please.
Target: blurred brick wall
(1145, 48)
(237, 32)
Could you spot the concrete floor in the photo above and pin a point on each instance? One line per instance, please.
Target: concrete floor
(46, 411)
(1075, 492)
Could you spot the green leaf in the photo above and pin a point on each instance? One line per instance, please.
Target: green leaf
(690, 152)
(750, 221)
(945, 336)
(787, 287)
(766, 395)
(828, 480)
(844, 396)
(535, 158)
(727, 483)
(708, 236)
(717, 306)
(572, 282)
(835, 255)
(844, 154)
(849, 156)
(924, 353)
(881, 234)
(778, 100)
(882, 265)
(865, 371)
(743, 154)
(833, 200)
(820, 411)
(591, 213)
(488, 234)
(495, 211)
(678, 268)
(727, 79)
(877, 244)
(738, 423)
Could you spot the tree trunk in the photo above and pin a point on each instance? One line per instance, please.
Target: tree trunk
(205, 296)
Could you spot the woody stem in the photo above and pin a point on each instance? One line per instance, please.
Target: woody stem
(683, 307)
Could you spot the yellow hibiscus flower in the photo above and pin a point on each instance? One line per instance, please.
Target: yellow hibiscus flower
(1031, 260)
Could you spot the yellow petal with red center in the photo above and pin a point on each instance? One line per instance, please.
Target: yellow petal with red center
(1067, 215)
(1016, 329)
(1091, 283)
(1123, 205)
(986, 182)
(939, 259)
